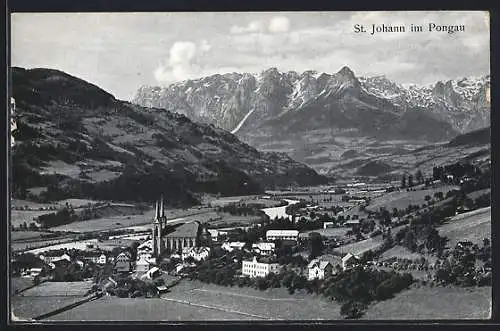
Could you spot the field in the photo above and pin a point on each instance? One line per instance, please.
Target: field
(19, 283)
(331, 232)
(275, 304)
(18, 217)
(30, 307)
(402, 253)
(191, 301)
(472, 226)
(48, 289)
(20, 246)
(23, 235)
(226, 200)
(435, 303)
(402, 199)
(105, 223)
(140, 309)
(129, 221)
(46, 297)
(80, 245)
(362, 246)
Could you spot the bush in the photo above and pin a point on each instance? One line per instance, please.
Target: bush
(352, 309)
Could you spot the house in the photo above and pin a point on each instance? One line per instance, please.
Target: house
(95, 257)
(254, 268)
(234, 245)
(142, 265)
(62, 263)
(352, 223)
(264, 248)
(123, 262)
(217, 235)
(145, 250)
(102, 259)
(152, 273)
(349, 260)
(33, 272)
(272, 235)
(80, 263)
(52, 256)
(197, 253)
(319, 269)
(327, 225)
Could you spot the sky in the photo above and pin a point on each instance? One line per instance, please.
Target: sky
(121, 52)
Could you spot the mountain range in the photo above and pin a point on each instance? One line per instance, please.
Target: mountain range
(317, 117)
(74, 139)
(289, 101)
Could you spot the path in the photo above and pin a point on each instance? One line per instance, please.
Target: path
(215, 308)
(247, 296)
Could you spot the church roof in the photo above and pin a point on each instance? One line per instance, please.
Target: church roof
(186, 230)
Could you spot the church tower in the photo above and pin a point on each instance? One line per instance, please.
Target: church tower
(156, 238)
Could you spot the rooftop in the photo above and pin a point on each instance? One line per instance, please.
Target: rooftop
(185, 230)
(282, 232)
(318, 263)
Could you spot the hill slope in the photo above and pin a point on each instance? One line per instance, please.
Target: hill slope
(75, 140)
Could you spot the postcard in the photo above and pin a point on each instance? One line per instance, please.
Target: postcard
(250, 166)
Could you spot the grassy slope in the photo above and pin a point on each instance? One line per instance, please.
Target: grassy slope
(435, 303)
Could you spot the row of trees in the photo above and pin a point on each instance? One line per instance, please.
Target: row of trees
(412, 180)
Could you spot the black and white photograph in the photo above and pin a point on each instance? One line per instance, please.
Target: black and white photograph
(249, 166)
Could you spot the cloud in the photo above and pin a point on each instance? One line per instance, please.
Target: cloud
(183, 61)
(252, 27)
(279, 24)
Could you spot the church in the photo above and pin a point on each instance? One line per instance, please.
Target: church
(190, 234)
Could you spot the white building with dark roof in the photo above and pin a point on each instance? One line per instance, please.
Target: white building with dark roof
(349, 260)
(253, 268)
(319, 269)
(197, 253)
(282, 235)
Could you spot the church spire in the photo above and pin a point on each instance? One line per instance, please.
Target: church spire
(157, 212)
(162, 211)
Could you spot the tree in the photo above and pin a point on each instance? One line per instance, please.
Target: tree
(352, 309)
(438, 195)
(316, 245)
(410, 180)
(419, 177)
(403, 181)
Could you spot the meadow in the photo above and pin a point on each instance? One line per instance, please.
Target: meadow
(434, 303)
(402, 199)
(472, 226)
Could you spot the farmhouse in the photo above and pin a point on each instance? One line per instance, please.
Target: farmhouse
(319, 269)
(95, 257)
(254, 268)
(153, 272)
(349, 261)
(197, 253)
(272, 235)
(123, 262)
(142, 265)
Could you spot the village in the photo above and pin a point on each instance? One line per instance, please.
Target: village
(303, 242)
